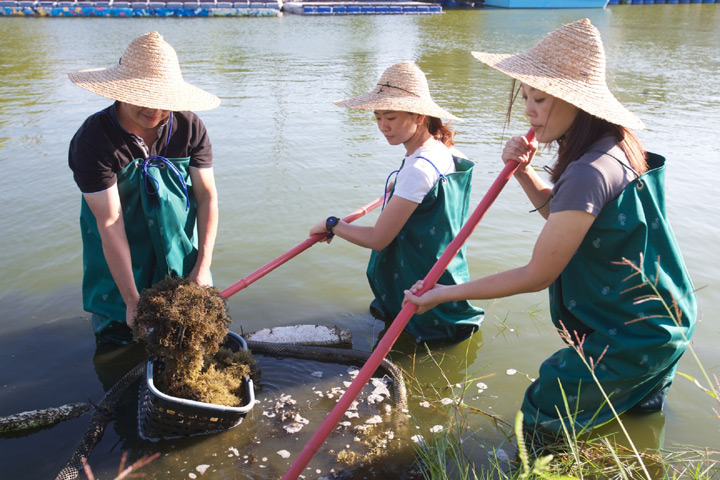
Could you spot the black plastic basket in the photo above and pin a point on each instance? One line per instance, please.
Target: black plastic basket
(162, 416)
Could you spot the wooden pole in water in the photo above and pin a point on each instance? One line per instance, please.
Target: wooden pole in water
(36, 419)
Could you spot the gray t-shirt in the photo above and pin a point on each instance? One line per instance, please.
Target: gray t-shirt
(593, 180)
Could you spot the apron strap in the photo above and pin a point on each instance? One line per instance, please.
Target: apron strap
(395, 172)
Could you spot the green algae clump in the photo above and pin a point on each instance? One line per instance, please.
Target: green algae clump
(183, 326)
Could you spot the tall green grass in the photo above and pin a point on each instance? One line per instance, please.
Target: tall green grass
(443, 455)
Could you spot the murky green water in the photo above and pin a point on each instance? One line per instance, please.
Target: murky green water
(287, 157)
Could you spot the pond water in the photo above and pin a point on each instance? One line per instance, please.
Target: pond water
(286, 157)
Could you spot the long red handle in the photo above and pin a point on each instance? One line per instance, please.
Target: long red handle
(396, 328)
(299, 248)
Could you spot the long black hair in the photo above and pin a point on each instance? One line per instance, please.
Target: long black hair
(585, 130)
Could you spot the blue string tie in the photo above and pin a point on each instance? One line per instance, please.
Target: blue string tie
(160, 161)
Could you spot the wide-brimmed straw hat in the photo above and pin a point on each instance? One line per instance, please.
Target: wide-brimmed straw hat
(148, 75)
(402, 88)
(569, 63)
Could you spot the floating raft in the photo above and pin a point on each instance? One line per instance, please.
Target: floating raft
(44, 8)
(209, 8)
(546, 3)
(362, 8)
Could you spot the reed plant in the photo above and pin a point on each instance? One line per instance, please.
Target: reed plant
(442, 453)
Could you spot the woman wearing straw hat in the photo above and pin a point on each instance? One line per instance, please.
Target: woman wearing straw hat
(606, 205)
(426, 208)
(144, 167)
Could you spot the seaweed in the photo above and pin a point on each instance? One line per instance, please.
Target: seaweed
(183, 326)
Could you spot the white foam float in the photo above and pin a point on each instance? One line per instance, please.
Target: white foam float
(301, 335)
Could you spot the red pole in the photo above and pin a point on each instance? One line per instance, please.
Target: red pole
(299, 248)
(396, 328)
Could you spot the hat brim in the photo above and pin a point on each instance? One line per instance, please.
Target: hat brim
(596, 100)
(144, 92)
(373, 101)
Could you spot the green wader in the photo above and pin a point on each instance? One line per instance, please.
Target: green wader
(160, 224)
(411, 255)
(591, 300)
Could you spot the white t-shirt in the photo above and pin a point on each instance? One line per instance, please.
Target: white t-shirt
(418, 176)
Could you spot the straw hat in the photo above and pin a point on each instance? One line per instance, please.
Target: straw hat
(148, 75)
(569, 64)
(403, 88)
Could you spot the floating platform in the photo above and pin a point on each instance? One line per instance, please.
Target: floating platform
(209, 8)
(546, 3)
(43, 8)
(362, 8)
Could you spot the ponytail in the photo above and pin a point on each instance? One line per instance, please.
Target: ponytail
(440, 131)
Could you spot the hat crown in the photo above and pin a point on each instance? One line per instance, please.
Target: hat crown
(151, 57)
(569, 64)
(573, 51)
(402, 80)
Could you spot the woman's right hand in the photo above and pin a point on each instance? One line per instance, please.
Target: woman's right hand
(428, 300)
(521, 151)
(319, 229)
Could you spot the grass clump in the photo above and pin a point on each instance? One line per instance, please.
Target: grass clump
(183, 326)
(575, 455)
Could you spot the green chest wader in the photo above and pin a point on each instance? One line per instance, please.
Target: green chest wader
(159, 212)
(411, 255)
(591, 299)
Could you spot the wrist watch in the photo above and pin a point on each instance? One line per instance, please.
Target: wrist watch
(330, 223)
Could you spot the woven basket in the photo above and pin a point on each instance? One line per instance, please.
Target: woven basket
(162, 416)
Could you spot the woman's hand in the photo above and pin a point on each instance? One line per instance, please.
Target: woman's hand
(130, 314)
(428, 300)
(521, 151)
(319, 228)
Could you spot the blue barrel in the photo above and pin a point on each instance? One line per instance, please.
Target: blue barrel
(339, 10)
(324, 9)
(353, 9)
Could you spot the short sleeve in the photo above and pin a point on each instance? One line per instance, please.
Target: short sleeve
(93, 154)
(415, 182)
(190, 139)
(422, 170)
(581, 187)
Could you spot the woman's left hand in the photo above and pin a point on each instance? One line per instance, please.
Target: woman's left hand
(201, 276)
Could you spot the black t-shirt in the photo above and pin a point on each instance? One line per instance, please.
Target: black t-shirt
(102, 147)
